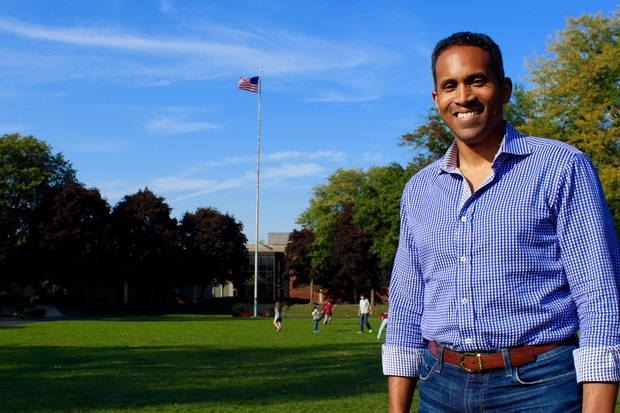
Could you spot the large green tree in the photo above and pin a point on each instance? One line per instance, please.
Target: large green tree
(29, 170)
(377, 210)
(576, 95)
(325, 206)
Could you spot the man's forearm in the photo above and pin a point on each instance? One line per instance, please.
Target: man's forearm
(400, 393)
(599, 397)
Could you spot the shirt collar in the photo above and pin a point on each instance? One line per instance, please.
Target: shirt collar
(513, 143)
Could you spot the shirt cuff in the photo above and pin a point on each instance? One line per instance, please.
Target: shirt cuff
(597, 364)
(403, 362)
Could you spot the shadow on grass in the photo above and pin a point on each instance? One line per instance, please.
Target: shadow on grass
(42, 379)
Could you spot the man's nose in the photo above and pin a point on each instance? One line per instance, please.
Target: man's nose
(463, 94)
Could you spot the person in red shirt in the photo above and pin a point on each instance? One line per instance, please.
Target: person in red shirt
(326, 311)
(383, 317)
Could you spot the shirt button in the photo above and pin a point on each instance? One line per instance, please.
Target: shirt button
(463, 258)
(464, 301)
(464, 219)
(468, 341)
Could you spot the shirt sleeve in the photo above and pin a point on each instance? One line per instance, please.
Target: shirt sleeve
(404, 346)
(591, 258)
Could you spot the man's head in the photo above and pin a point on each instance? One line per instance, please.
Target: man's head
(470, 89)
(470, 39)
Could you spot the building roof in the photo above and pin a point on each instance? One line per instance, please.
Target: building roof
(265, 248)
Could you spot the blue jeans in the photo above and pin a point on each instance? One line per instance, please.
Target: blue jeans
(364, 320)
(548, 385)
(316, 326)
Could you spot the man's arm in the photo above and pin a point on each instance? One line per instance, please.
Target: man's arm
(599, 397)
(400, 393)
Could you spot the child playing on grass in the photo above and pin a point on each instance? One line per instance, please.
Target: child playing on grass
(277, 316)
(316, 316)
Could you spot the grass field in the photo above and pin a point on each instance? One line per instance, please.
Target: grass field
(192, 363)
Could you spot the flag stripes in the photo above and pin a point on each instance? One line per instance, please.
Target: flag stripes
(248, 83)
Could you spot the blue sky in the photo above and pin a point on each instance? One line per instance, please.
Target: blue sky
(142, 93)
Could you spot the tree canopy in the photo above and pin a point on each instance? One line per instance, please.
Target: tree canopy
(71, 236)
(214, 247)
(575, 95)
(29, 171)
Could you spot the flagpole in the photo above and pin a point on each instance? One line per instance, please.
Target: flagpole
(260, 75)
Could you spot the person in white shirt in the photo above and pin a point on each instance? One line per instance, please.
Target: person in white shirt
(364, 311)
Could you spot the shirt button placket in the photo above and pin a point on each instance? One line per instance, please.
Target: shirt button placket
(465, 317)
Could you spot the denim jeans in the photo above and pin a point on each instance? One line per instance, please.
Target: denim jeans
(364, 321)
(547, 385)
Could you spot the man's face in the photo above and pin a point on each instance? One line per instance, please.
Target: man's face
(468, 94)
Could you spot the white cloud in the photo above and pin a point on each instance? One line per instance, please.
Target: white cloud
(278, 52)
(291, 171)
(172, 125)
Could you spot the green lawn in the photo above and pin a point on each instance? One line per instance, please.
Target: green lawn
(192, 363)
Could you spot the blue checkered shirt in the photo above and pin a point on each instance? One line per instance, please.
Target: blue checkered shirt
(531, 257)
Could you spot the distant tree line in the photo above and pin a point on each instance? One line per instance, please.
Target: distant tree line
(57, 235)
(349, 231)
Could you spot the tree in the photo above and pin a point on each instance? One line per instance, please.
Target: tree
(377, 210)
(431, 139)
(325, 207)
(520, 109)
(299, 258)
(28, 172)
(355, 268)
(214, 247)
(148, 244)
(576, 95)
(71, 236)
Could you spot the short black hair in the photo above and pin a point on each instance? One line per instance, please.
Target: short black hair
(470, 39)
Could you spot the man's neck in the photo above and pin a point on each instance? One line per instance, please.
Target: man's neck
(475, 160)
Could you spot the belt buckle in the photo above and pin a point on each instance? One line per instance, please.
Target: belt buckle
(467, 369)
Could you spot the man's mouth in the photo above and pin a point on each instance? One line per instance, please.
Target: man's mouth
(467, 115)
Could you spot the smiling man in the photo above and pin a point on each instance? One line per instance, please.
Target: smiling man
(507, 250)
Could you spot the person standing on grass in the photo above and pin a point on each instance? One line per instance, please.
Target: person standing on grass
(384, 318)
(507, 250)
(326, 312)
(316, 316)
(277, 316)
(363, 312)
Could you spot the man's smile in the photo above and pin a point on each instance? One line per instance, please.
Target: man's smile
(467, 115)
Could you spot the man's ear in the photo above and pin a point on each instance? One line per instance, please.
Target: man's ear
(434, 94)
(506, 90)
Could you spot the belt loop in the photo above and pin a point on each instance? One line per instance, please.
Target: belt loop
(439, 364)
(507, 362)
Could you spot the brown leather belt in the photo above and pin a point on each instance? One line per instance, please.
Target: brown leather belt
(475, 362)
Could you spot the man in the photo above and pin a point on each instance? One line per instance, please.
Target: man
(507, 249)
(363, 312)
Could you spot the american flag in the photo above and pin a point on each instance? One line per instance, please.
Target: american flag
(248, 83)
